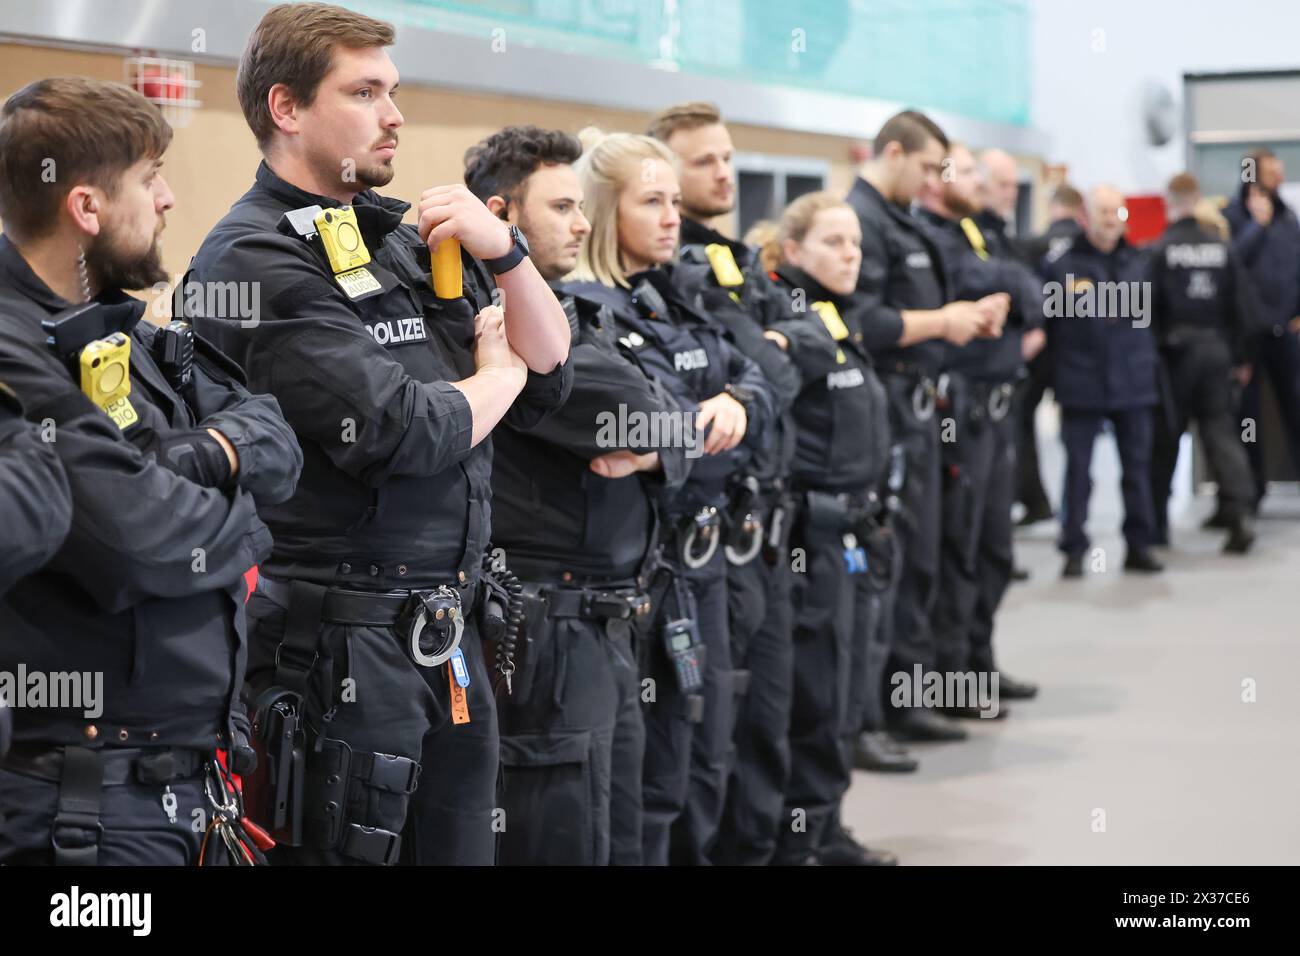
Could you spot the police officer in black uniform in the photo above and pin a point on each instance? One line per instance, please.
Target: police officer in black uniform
(735, 291)
(906, 311)
(1202, 314)
(366, 625)
(842, 456)
(35, 506)
(167, 457)
(1099, 320)
(631, 191)
(977, 431)
(574, 509)
(1065, 210)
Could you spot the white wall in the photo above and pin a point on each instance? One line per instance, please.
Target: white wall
(1091, 58)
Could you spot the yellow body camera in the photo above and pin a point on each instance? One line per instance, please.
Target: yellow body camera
(106, 377)
(341, 236)
(724, 265)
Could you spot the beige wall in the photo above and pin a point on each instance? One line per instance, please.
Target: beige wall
(211, 161)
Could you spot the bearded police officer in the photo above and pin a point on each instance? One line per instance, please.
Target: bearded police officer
(393, 368)
(735, 291)
(978, 450)
(574, 505)
(907, 313)
(167, 457)
(1202, 314)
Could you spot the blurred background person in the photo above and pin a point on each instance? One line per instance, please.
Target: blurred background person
(1105, 373)
(1266, 235)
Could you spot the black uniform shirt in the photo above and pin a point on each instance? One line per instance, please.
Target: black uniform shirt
(552, 512)
(901, 269)
(1198, 282)
(149, 586)
(690, 355)
(842, 413)
(972, 277)
(392, 495)
(745, 311)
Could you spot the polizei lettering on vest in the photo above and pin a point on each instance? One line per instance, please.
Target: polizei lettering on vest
(690, 360)
(397, 331)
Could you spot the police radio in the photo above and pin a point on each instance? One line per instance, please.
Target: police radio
(173, 351)
(685, 653)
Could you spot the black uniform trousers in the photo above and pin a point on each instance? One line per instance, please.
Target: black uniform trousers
(911, 640)
(684, 773)
(1133, 434)
(830, 613)
(572, 743)
(1029, 394)
(979, 469)
(1278, 357)
(760, 619)
(136, 829)
(879, 592)
(696, 828)
(366, 690)
(1199, 374)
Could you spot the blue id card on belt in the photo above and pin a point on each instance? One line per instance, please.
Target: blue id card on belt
(855, 556)
(459, 669)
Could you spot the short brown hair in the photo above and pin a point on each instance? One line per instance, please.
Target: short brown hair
(1183, 186)
(685, 116)
(69, 131)
(1067, 197)
(910, 129)
(294, 44)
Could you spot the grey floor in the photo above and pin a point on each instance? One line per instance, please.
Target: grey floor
(1140, 748)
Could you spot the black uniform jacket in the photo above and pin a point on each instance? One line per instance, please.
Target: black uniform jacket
(689, 353)
(841, 415)
(148, 588)
(392, 495)
(552, 512)
(901, 269)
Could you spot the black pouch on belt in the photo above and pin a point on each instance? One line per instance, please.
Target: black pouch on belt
(825, 513)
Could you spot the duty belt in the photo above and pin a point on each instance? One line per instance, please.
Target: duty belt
(82, 774)
(121, 764)
(594, 604)
(411, 611)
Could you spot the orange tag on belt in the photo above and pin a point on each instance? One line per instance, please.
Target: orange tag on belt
(459, 699)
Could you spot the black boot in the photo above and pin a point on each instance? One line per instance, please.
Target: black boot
(917, 723)
(1073, 566)
(876, 750)
(1011, 689)
(1240, 538)
(840, 849)
(1142, 560)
